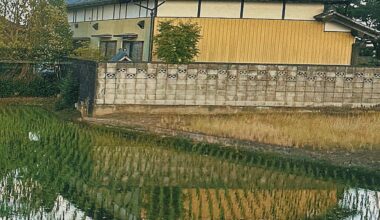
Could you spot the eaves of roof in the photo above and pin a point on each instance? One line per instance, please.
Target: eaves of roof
(356, 27)
(89, 3)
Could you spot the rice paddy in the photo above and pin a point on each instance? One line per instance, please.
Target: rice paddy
(53, 169)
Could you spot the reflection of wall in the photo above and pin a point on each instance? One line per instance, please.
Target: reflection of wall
(270, 41)
(257, 204)
(115, 27)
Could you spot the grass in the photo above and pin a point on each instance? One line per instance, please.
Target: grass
(354, 130)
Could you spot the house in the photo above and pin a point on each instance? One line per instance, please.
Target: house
(236, 31)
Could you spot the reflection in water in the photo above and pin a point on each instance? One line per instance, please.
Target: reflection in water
(76, 172)
(365, 203)
(16, 201)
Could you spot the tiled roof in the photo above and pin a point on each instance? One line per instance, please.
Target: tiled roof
(83, 3)
(357, 28)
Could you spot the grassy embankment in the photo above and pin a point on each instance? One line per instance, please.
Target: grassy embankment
(352, 130)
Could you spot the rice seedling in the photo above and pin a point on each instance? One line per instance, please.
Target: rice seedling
(112, 174)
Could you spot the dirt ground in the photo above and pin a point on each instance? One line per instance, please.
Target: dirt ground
(151, 123)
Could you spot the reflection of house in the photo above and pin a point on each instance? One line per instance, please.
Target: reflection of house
(239, 31)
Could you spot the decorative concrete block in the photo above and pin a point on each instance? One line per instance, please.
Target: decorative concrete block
(245, 85)
(318, 97)
(200, 97)
(190, 97)
(190, 102)
(150, 92)
(109, 99)
(161, 92)
(200, 102)
(99, 101)
(160, 102)
(180, 102)
(299, 98)
(160, 96)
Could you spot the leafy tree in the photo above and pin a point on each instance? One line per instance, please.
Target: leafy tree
(49, 31)
(367, 11)
(34, 29)
(177, 43)
(14, 15)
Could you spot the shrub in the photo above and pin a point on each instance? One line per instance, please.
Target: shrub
(86, 51)
(69, 88)
(177, 43)
(37, 87)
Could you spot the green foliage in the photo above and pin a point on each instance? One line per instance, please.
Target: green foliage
(86, 51)
(19, 80)
(69, 88)
(49, 31)
(177, 43)
(34, 30)
(38, 87)
(367, 11)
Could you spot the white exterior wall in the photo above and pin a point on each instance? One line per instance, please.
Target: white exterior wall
(189, 8)
(88, 14)
(263, 10)
(222, 9)
(123, 10)
(117, 11)
(79, 15)
(110, 12)
(100, 13)
(70, 16)
(334, 27)
(302, 11)
(178, 9)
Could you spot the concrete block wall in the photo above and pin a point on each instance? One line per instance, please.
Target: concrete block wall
(237, 85)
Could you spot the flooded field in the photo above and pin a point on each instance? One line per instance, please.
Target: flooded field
(51, 169)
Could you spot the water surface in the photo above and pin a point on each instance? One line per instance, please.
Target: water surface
(51, 169)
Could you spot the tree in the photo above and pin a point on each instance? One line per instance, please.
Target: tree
(49, 31)
(34, 29)
(367, 11)
(177, 43)
(14, 15)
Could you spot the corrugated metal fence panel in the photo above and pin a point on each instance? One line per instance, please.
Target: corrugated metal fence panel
(270, 41)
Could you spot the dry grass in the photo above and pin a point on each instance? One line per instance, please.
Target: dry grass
(317, 130)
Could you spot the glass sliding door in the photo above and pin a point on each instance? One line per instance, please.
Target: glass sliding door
(134, 50)
(108, 48)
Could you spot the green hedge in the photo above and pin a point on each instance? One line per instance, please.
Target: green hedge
(37, 87)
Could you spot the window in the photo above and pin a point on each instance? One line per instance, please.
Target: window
(134, 50)
(108, 48)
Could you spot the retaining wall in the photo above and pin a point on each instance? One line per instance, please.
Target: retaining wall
(236, 85)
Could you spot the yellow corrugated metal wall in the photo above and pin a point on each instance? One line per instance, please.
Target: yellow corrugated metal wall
(270, 41)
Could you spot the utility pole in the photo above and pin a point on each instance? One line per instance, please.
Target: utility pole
(153, 12)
